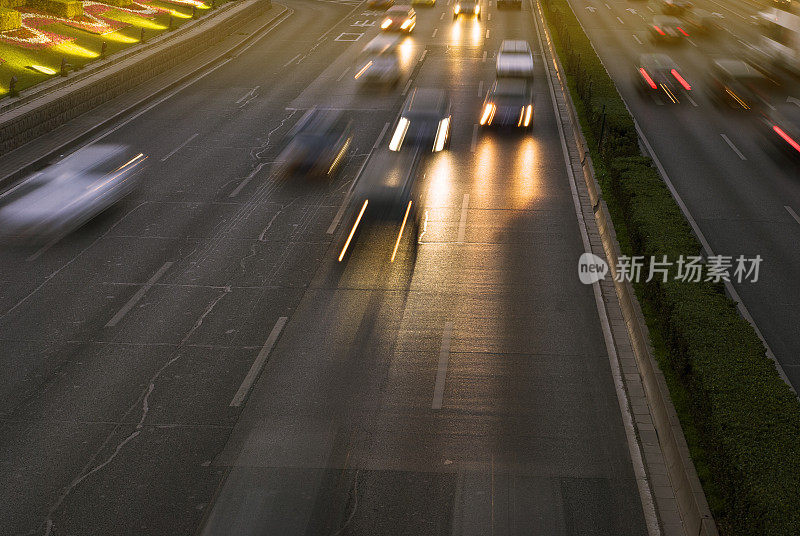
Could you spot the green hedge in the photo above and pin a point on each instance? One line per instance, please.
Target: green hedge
(747, 417)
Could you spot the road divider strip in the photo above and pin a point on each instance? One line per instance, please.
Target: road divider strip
(258, 364)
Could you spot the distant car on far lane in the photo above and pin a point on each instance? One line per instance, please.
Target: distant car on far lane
(64, 196)
(700, 21)
(509, 102)
(467, 8)
(736, 84)
(399, 18)
(675, 7)
(658, 74)
(667, 30)
(379, 62)
(781, 130)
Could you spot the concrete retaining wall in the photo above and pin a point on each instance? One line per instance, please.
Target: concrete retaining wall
(22, 124)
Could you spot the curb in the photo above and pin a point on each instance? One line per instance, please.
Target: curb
(59, 116)
(691, 501)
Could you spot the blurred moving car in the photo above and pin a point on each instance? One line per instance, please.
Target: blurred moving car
(509, 102)
(737, 84)
(781, 129)
(426, 3)
(379, 62)
(424, 120)
(667, 30)
(380, 4)
(467, 8)
(386, 193)
(399, 19)
(700, 21)
(317, 144)
(675, 7)
(64, 196)
(514, 59)
(658, 74)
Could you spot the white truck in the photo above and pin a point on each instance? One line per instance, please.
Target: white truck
(779, 45)
(514, 59)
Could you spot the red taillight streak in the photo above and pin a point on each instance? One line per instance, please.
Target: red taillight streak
(786, 137)
(659, 30)
(681, 30)
(680, 79)
(647, 78)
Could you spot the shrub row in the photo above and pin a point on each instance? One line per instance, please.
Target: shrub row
(747, 417)
(61, 8)
(9, 19)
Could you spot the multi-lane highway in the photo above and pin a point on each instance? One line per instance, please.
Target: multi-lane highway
(196, 361)
(743, 199)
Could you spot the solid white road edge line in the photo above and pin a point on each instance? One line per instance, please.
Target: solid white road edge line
(138, 296)
(441, 372)
(710, 252)
(258, 364)
(462, 224)
(642, 483)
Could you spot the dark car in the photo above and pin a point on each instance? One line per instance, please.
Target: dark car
(700, 21)
(667, 30)
(399, 19)
(467, 8)
(736, 84)
(659, 75)
(386, 195)
(425, 120)
(781, 131)
(317, 144)
(675, 7)
(509, 102)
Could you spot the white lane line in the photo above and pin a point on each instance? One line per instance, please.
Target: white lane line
(484, 55)
(609, 7)
(480, 88)
(474, 137)
(342, 75)
(179, 147)
(138, 296)
(487, 34)
(441, 372)
(651, 9)
(636, 37)
(792, 213)
(339, 213)
(258, 364)
(247, 95)
(462, 225)
(442, 17)
(489, 16)
(246, 180)
(620, 20)
(291, 60)
(422, 56)
(435, 31)
(692, 42)
(732, 146)
(692, 100)
(408, 86)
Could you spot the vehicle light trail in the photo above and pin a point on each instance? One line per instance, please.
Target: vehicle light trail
(353, 231)
(400, 234)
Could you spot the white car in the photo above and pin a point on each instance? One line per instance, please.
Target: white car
(514, 59)
(64, 196)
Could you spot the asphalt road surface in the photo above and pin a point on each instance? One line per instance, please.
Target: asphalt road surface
(196, 361)
(744, 198)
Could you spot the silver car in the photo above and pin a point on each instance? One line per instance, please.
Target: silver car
(64, 196)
